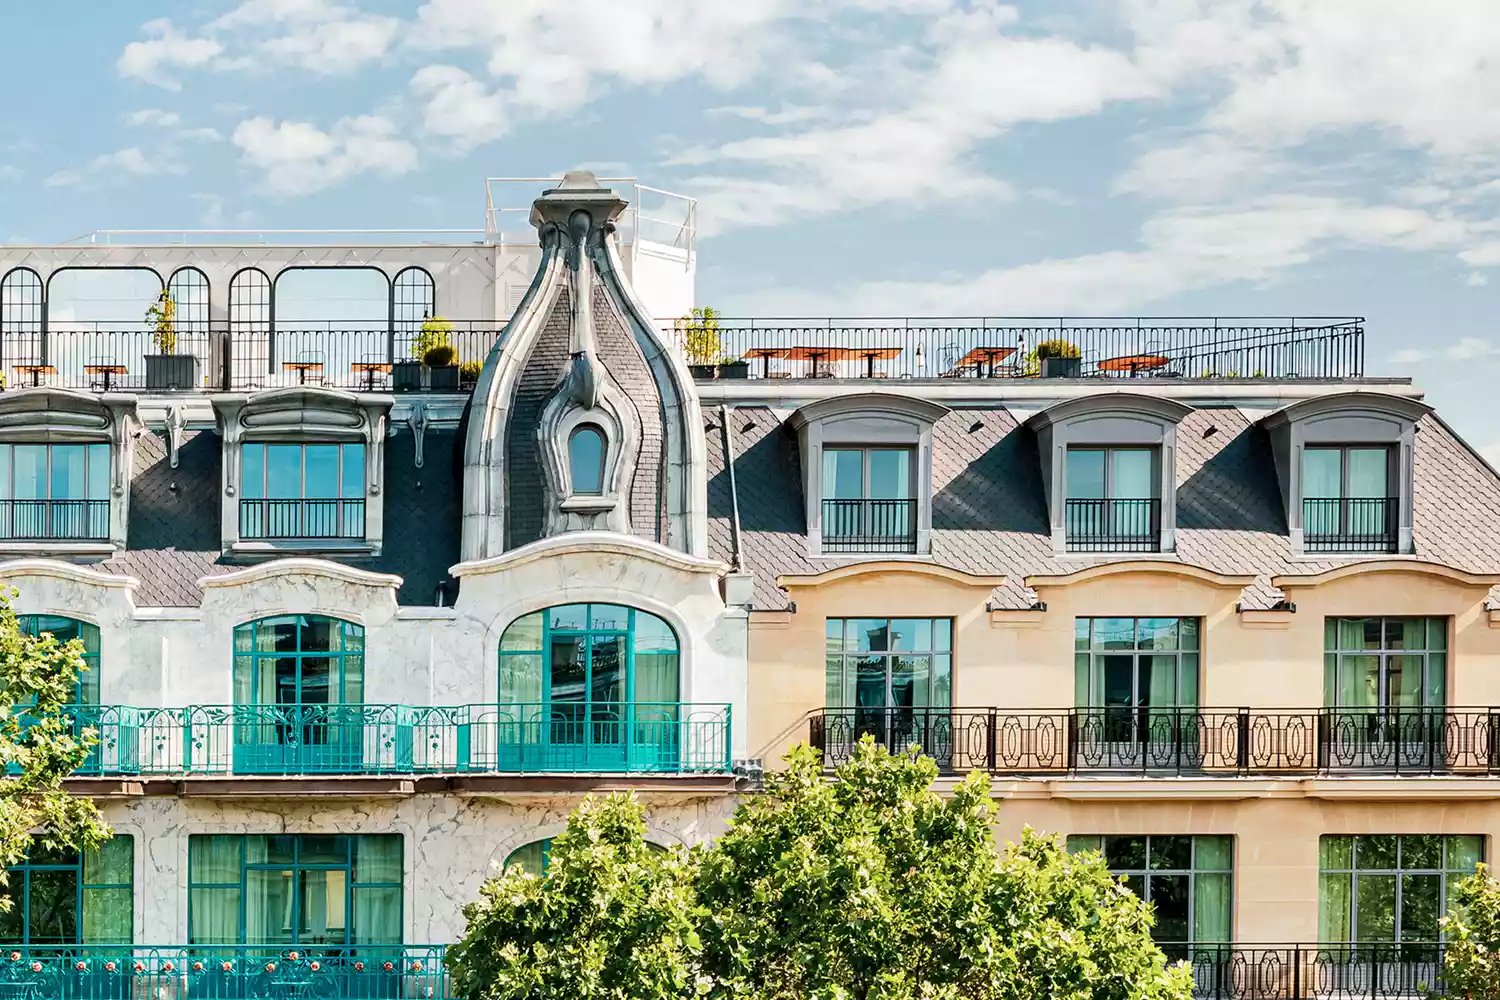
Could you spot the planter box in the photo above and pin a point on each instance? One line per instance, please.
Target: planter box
(703, 372)
(443, 378)
(173, 371)
(735, 369)
(406, 376)
(1062, 367)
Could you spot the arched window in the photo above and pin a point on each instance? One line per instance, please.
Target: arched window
(21, 302)
(188, 288)
(586, 460)
(64, 630)
(412, 299)
(299, 684)
(535, 856)
(589, 687)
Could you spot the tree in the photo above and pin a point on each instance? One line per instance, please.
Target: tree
(1471, 963)
(701, 337)
(610, 920)
(875, 887)
(40, 746)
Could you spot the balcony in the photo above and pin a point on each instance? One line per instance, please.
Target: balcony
(1313, 971)
(1161, 742)
(1349, 524)
(870, 526)
(1005, 347)
(302, 519)
(284, 740)
(229, 972)
(1112, 525)
(54, 520)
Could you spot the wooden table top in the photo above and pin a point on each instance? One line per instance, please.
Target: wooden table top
(1134, 363)
(843, 353)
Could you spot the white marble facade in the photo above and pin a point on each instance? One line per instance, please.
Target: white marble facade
(415, 656)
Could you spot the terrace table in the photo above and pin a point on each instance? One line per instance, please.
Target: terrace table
(302, 368)
(1134, 363)
(36, 372)
(766, 354)
(979, 357)
(106, 369)
(371, 369)
(815, 355)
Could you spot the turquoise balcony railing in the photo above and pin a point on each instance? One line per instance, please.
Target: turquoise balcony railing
(221, 972)
(583, 737)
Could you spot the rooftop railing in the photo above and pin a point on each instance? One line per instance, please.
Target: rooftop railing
(995, 347)
(241, 972)
(1160, 742)
(560, 737)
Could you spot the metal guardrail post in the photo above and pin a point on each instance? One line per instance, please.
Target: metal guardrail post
(992, 740)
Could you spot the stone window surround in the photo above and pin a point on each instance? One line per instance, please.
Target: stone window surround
(614, 417)
(302, 415)
(865, 419)
(1349, 418)
(1108, 420)
(62, 416)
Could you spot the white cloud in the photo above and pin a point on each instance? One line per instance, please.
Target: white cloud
(154, 117)
(459, 107)
(1464, 349)
(165, 49)
(10, 172)
(63, 178)
(336, 46)
(299, 158)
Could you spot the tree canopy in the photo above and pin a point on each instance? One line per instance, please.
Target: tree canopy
(1472, 961)
(869, 887)
(40, 745)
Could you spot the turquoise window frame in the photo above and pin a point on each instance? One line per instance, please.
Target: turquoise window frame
(627, 734)
(299, 842)
(93, 894)
(542, 849)
(86, 692)
(280, 737)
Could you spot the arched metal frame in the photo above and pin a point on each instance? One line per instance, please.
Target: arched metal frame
(103, 349)
(189, 290)
(413, 299)
(22, 314)
(63, 628)
(390, 326)
(250, 301)
(535, 856)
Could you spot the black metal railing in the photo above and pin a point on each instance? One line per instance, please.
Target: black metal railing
(1206, 742)
(869, 526)
(1362, 971)
(1349, 524)
(1005, 347)
(242, 356)
(1112, 525)
(52, 520)
(311, 519)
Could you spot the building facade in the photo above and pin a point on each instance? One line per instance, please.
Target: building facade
(363, 625)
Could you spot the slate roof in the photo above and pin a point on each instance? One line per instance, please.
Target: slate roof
(989, 513)
(174, 519)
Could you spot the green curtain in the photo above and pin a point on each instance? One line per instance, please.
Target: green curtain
(1334, 907)
(214, 868)
(108, 892)
(1211, 908)
(377, 915)
(532, 857)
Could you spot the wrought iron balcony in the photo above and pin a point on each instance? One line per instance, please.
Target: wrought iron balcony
(1349, 524)
(54, 520)
(1200, 742)
(1112, 525)
(302, 519)
(1006, 347)
(1313, 971)
(244, 972)
(582, 737)
(870, 526)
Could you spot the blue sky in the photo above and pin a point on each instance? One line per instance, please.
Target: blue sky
(852, 157)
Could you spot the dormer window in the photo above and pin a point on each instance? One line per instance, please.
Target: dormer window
(867, 473)
(1349, 500)
(1113, 501)
(303, 471)
(1344, 464)
(54, 491)
(868, 504)
(1108, 467)
(586, 451)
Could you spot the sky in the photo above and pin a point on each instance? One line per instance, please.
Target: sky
(850, 157)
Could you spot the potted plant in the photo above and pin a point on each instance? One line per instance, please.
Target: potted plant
(441, 362)
(699, 333)
(468, 374)
(167, 369)
(415, 374)
(733, 367)
(1059, 359)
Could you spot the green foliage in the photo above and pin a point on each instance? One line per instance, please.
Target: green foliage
(435, 332)
(1472, 960)
(1056, 348)
(439, 356)
(701, 337)
(162, 315)
(611, 920)
(870, 887)
(469, 370)
(39, 747)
